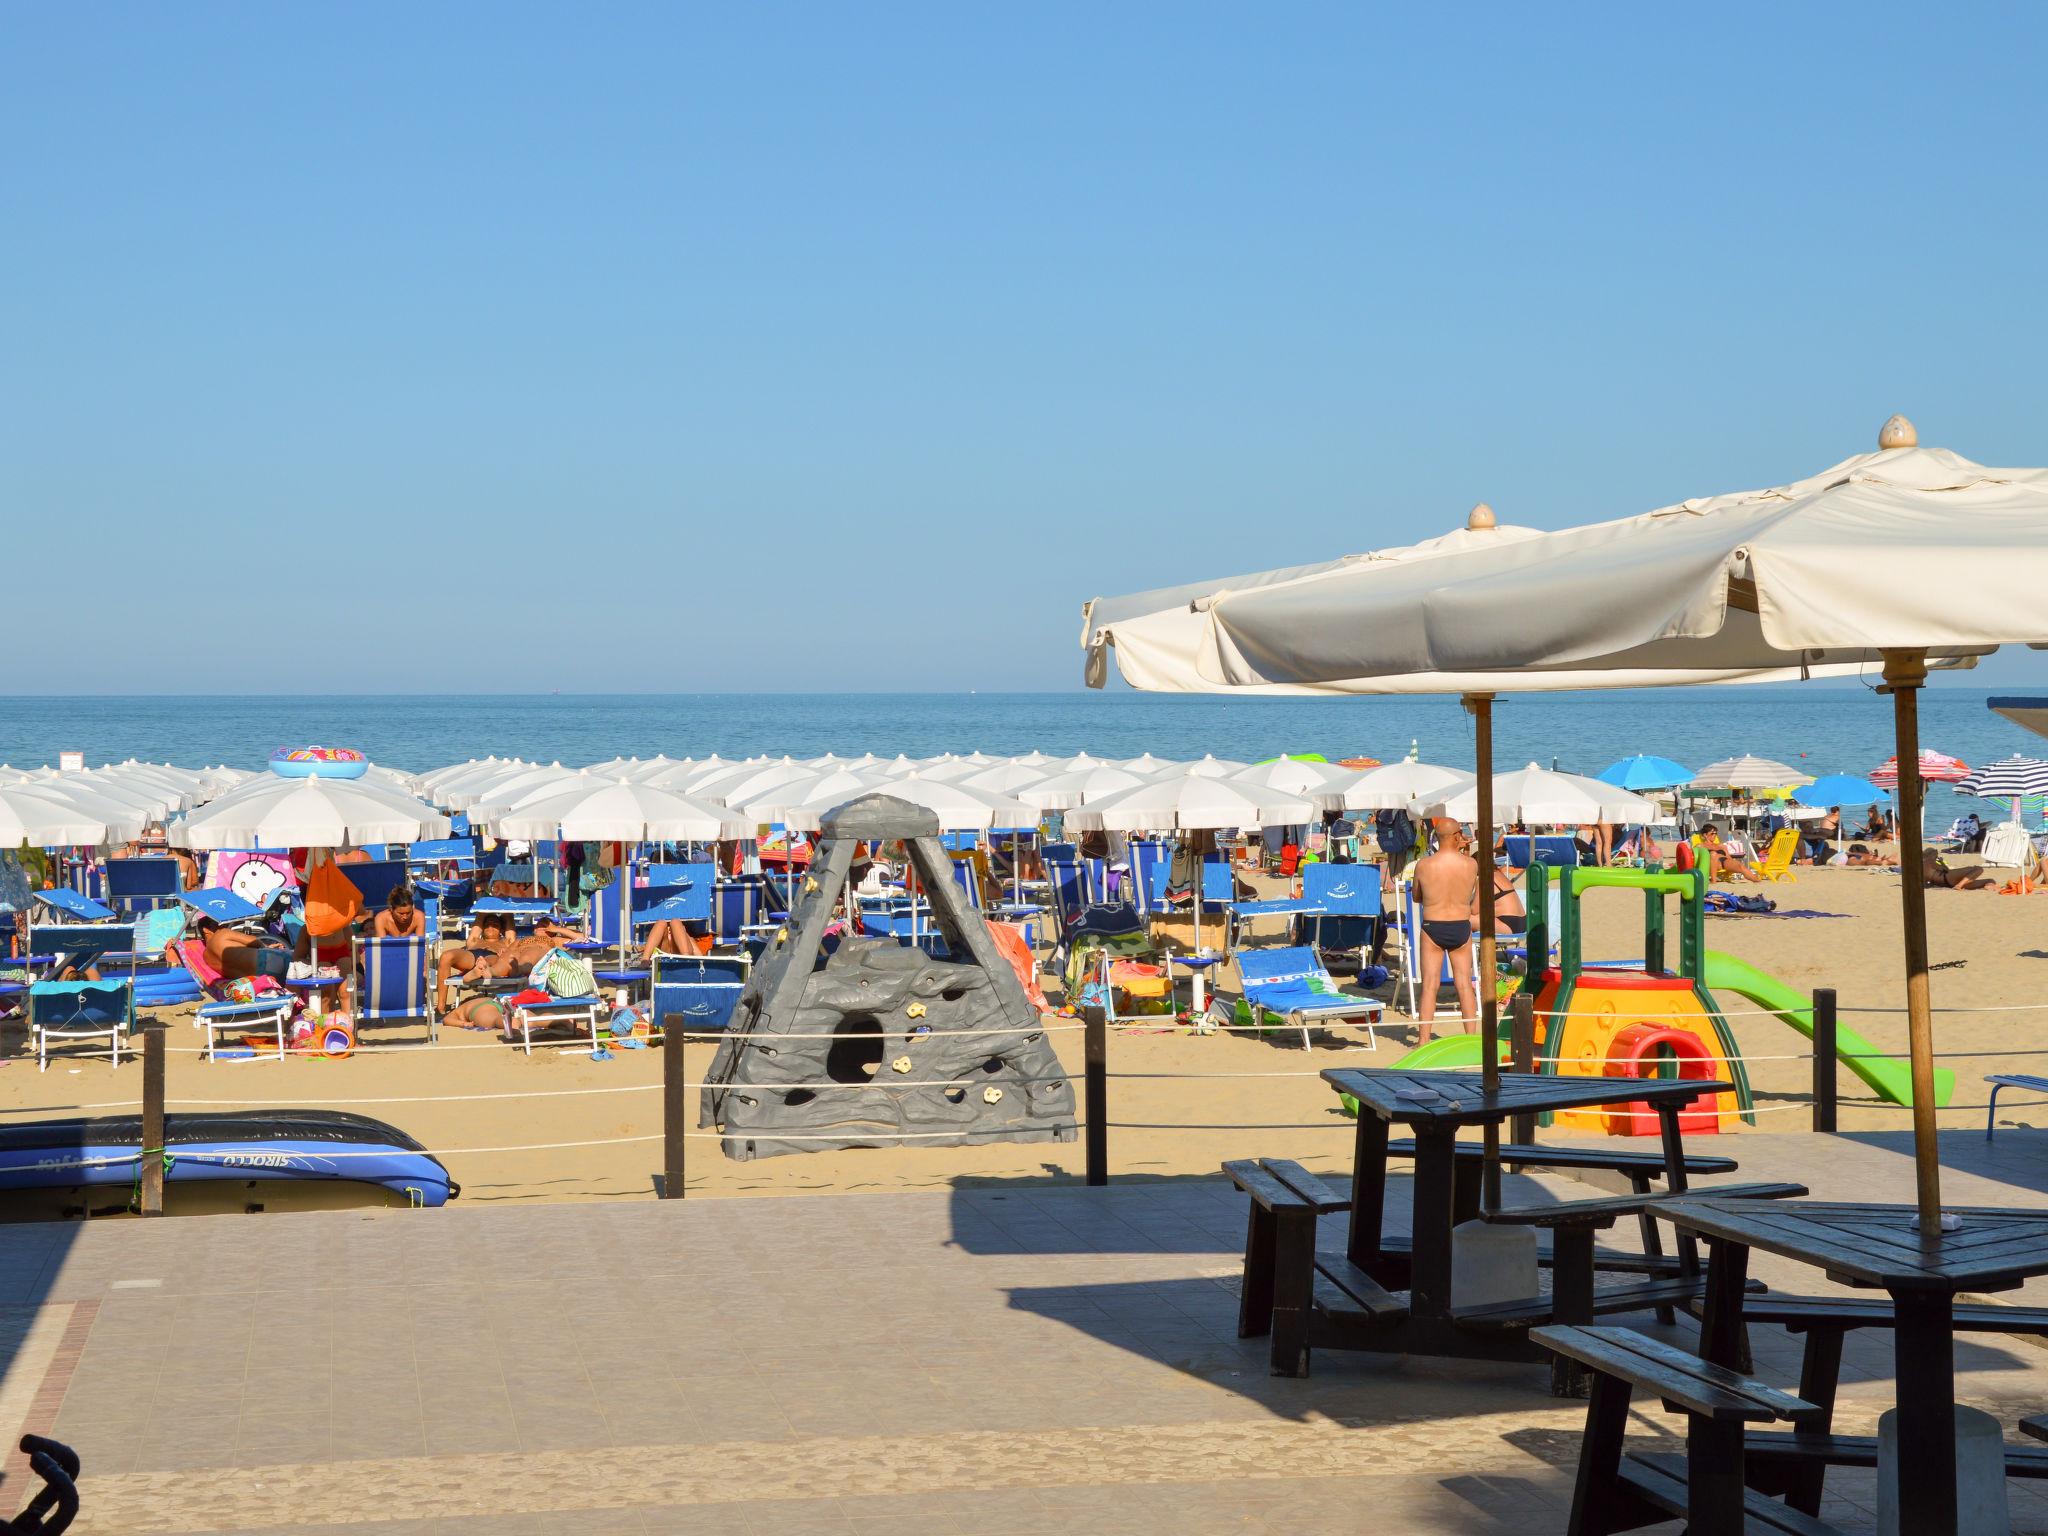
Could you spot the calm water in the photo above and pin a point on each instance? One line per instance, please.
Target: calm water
(1822, 730)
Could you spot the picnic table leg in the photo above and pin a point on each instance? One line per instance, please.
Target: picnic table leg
(1714, 1490)
(1653, 1240)
(1820, 1375)
(1675, 1182)
(1368, 1191)
(1429, 1275)
(1571, 1301)
(1925, 1345)
(1294, 1273)
(1722, 1340)
(1255, 1296)
(1599, 1457)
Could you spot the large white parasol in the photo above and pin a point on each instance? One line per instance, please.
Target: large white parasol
(274, 812)
(1857, 565)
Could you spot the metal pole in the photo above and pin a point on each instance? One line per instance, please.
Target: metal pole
(1522, 1056)
(1905, 673)
(152, 1171)
(1095, 1082)
(673, 1124)
(1481, 706)
(1824, 1058)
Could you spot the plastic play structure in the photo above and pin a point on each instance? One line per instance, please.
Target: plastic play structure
(1648, 1018)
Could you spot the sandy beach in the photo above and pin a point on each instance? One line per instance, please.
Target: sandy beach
(1179, 1103)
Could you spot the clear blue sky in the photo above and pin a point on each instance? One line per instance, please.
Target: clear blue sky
(851, 346)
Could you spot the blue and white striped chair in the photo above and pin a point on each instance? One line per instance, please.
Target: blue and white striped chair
(80, 1010)
(395, 982)
(701, 990)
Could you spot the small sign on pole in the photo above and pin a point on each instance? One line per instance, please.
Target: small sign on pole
(71, 762)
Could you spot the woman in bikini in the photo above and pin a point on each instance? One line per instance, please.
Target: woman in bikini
(1509, 915)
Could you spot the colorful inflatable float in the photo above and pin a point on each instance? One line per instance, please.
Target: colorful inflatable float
(231, 1161)
(319, 763)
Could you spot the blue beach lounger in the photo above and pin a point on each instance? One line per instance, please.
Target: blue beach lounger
(80, 1010)
(1292, 984)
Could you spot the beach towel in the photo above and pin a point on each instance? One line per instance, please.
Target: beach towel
(156, 930)
(1010, 943)
(333, 904)
(255, 877)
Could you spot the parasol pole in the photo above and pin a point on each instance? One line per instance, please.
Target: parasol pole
(1481, 706)
(1905, 673)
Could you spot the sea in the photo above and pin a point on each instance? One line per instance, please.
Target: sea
(1819, 728)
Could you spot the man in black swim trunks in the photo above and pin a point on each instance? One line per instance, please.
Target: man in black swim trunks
(1446, 886)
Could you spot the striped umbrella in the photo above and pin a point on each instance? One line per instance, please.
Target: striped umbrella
(1749, 772)
(2007, 779)
(1935, 768)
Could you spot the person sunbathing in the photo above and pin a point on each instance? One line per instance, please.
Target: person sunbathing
(1935, 872)
(1862, 856)
(490, 938)
(476, 1013)
(1729, 857)
(237, 955)
(400, 919)
(671, 936)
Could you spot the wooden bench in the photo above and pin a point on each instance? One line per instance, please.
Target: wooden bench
(1641, 1169)
(1826, 1321)
(1707, 1488)
(2037, 1426)
(1284, 1277)
(1572, 1224)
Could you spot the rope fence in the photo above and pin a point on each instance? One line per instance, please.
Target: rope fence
(1093, 1125)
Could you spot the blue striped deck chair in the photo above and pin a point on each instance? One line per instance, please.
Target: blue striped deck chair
(51, 949)
(376, 879)
(1151, 858)
(735, 909)
(1292, 985)
(141, 882)
(394, 982)
(701, 990)
(1557, 852)
(80, 1010)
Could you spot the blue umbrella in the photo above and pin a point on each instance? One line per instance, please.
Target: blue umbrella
(1837, 789)
(1643, 772)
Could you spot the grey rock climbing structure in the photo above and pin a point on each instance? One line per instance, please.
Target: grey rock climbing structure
(877, 1041)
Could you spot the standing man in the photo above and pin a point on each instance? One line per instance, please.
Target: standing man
(1446, 884)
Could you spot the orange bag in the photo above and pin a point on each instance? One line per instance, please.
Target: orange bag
(332, 901)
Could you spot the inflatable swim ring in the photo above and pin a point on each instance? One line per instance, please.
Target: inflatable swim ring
(319, 763)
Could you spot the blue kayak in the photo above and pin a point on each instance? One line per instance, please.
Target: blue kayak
(301, 1145)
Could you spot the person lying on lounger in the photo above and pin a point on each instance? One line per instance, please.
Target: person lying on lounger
(236, 954)
(490, 938)
(671, 936)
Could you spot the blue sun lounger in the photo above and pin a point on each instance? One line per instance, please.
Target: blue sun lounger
(395, 982)
(700, 990)
(1292, 984)
(80, 1010)
(1327, 890)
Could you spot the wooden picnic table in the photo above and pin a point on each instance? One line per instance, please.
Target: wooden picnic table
(1876, 1246)
(1436, 1106)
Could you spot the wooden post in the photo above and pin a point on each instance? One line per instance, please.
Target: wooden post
(152, 1187)
(1522, 1057)
(1481, 706)
(674, 1122)
(1905, 673)
(1095, 1052)
(1824, 1058)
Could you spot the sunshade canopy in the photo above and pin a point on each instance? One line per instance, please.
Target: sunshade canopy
(1542, 798)
(1645, 772)
(1748, 772)
(1837, 789)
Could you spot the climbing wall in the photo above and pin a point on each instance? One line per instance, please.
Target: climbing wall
(879, 1044)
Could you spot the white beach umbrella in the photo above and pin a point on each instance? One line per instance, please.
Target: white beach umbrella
(745, 783)
(599, 808)
(274, 812)
(958, 808)
(1210, 766)
(42, 820)
(1748, 772)
(1397, 786)
(1077, 786)
(526, 785)
(1540, 797)
(1150, 767)
(1859, 564)
(1190, 801)
(459, 791)
(776, 802)
(1321, 782)
(1007, 778)
(98, 794)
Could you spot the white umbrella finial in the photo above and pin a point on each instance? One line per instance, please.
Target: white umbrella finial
(1898, 433)
(1480, 518)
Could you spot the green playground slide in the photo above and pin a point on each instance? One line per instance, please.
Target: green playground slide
(1447, 1053)
(1892, 1078)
